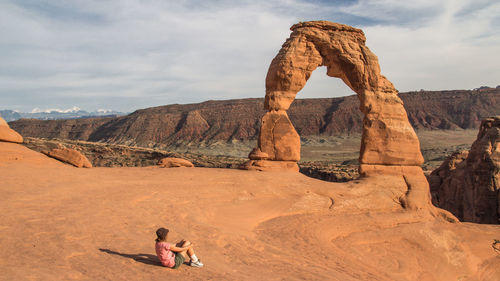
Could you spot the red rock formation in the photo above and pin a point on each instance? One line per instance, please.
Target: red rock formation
(266, 165)
(468, 183)
(388, 138)
(257, 154)
(172, 162)
(69, 156)
(240, 119)
(192, 126)
(7, 134)
(389, 145)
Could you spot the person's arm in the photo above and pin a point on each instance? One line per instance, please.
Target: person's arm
(179, 249)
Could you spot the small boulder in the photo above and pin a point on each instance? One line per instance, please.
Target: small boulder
(69, 156)
(7, 134)
(172, 162)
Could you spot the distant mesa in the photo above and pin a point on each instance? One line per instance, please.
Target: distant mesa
(468, 183)
(173, 162)
(70, 156)
(240, 120)
(7, 134)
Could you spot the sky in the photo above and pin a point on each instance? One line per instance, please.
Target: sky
(130, 54)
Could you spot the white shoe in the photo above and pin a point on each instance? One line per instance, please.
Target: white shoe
(196, 264)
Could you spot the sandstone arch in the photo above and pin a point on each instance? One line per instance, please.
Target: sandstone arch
(388, 138)
(389, 144)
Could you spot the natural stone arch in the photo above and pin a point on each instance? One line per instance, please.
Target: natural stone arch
(388, 138)
(389, 145)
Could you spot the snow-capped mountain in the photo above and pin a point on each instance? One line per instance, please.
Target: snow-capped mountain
(56, 113)
(73, 109)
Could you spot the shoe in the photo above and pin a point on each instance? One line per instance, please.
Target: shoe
(196, 264)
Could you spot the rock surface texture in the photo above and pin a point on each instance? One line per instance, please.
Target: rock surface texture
(388, 138)
(389, 145)
(7, 134)
(468, 183)
(173, 162)
(69, 156)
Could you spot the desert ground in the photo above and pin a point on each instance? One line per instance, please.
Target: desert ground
(63, 223)
(436, 145)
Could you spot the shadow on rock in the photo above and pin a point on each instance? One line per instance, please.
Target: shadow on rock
(143, 258)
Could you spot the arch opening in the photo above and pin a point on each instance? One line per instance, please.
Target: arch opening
(320, 85)
(327, 118)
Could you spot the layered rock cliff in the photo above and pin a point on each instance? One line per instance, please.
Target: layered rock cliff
(240, 119)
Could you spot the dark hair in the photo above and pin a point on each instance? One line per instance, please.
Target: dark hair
(161, 234)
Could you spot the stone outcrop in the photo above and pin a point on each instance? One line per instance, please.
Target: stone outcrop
(69, 156)
(389, 145)
(388, 138)
(173, 162)
(467, 184)
(7, 134)
(266, 165)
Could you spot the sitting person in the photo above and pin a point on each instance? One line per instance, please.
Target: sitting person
(173, 256)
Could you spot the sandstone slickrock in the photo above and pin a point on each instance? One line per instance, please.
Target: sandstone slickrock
(7, 134)
(265, 165)
(173, 162)
(69, 156)
(468, 182)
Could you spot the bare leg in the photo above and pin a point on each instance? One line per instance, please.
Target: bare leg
(189, 252)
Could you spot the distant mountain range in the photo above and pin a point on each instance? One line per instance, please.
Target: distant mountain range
(214, 121)
(53, 114)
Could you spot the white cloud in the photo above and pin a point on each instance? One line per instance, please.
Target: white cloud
(448, 52)
(133, 54)
(68, 110)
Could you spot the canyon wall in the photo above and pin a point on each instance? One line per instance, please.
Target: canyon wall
(168, 125)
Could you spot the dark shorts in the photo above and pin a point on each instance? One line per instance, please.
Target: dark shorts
(179, 259)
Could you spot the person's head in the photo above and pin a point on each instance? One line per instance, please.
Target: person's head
(161, 234)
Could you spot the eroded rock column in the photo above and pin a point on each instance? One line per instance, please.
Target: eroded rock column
(468, 183)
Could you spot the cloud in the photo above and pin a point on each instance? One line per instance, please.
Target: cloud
(132, 54)
(455, 49)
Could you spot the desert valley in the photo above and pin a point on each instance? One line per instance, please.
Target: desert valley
(380, 185)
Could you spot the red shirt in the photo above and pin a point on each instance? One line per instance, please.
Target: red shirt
(167, 257)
